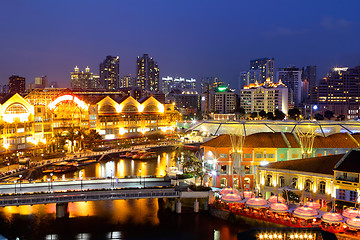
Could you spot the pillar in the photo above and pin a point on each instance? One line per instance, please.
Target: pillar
(61, 210)
(196, 205)
(178, 206)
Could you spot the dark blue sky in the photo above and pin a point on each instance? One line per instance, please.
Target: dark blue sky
(191, 38)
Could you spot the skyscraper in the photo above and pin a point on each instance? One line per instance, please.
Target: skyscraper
(291, 77)
(147, 73)
(127, 81)
(309, 75)
(109, 73)
(81, 80)
(16, 84)
(266, 67)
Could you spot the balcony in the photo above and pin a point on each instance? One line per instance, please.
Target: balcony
(348, 179)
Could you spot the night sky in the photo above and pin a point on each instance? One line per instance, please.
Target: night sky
(191, 38)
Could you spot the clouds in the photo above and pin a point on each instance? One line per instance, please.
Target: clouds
(331, 23)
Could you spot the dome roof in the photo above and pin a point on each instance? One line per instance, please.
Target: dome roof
(313, 205)
(305, 212)
(276, 199)
(247, 194)
(228, 190)
(231, 197)
(354, 222)
(278, 207)
(256, 202)
(332, 217)
(350, 212)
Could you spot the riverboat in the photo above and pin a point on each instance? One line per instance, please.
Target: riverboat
(148, 155)
(62, 167)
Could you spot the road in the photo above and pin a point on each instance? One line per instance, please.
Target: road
(81, 185)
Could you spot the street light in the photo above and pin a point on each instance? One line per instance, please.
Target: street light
(20, 176)
(8, 164)
(15, 185)
(51, 179)
(48, 183)
(140, 177)
(81, 179)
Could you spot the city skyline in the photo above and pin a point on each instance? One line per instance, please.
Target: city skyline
(198, 39)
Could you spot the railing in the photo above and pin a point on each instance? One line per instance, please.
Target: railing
(84, 196)
(348, 179)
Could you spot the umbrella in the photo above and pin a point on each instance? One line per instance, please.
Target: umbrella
(279, 207)
(276, 199)
(228, 190)
(231, 197)
(256, 202)
(350, 212)
(354, 222)
(305, 212)
(313, 205)
(247, 194)
(332, 217)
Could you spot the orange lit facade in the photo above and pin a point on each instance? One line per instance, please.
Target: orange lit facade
(33, 120)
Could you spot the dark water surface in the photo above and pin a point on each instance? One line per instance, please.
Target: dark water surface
(119, 219)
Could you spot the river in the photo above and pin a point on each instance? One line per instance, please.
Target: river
(119, 219)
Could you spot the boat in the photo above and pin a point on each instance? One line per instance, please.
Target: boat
(148, 155)
(138, 154)
(86, 162)
(62, 167)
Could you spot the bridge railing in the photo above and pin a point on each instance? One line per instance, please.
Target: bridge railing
(103, 195)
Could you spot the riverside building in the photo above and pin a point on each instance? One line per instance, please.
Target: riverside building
(35, 119)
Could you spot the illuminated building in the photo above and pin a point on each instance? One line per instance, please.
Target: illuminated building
(109, 73)
(16, 84)
(312, 175)
(82, 80)
(225, 100)
(266, 67)
(267, 96)
(169, 83)
(339, 92)
(184, 99)
(127, 81)
(291, 77)
(35, 119)
(147, 74)
(40, 82)
(251, 76)
(309, 75)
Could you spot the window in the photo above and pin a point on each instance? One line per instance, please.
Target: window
(294, 182)
(223, 169)
(341, 194)
(222, 155)
(268, 181)
(353, 195)
(294, 155)
(16, 108)
(258, 155)
(282, 181)
(247, 155)
(269, 155)
(322, 186)
(308, 185)
(282, 155)
(223, 182)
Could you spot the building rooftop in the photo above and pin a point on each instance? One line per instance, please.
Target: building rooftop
(350, 162)
(322, 165)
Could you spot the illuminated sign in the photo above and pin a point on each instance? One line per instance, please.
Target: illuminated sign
(80, 103)
(222, 89)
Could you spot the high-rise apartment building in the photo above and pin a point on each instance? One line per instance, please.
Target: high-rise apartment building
(266, 67)
(109, 73)
(148, 77)
(16, 84)
(339, 92)
(169, 83)
(82, 80)
(309, 76)
(291, 77)
(40, 82)
(267, 96)
(127, 81)
(248, 77)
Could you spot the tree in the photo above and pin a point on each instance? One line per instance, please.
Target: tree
(279, 115)
(293, 197)
(329, 114)
(270, 115)
(294, 113)
(340, 117)
(253, 115)
(262, 114)
(91, 137)
(319, 116)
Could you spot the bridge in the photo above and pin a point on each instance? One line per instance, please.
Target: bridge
(63, 192)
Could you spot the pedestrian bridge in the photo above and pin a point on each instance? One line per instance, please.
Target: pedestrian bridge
(65, 197)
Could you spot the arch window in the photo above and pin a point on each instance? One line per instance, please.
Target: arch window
(151, 108)
(294, 182)
(308, 185)
(268, 181)
(223, 182)
(322, 187)
(130, 108)
(16, 108)
(281, 181)
(107, 108)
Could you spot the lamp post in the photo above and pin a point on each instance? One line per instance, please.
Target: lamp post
(140, 177)
(20, 176)
(15, 185)
(48, 183)
(81, 179)
(51, 179)
(8, 164)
